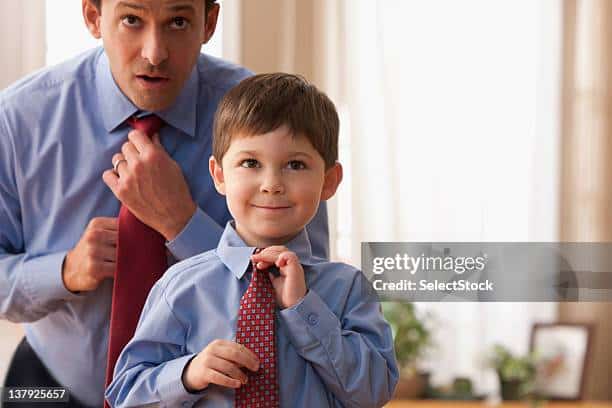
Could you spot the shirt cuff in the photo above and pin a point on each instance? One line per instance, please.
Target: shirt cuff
(199, 235)
(171, 389)
(43, 279)
(309, 321)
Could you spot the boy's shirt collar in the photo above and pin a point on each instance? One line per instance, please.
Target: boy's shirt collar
(116, 108)
(236, 255)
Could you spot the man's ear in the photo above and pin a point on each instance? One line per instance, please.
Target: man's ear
(211, 22)
(91, 15)
(333, 177)
(216, 172)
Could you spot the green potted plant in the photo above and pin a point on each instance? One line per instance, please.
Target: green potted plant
(516, 374)
(411, 339)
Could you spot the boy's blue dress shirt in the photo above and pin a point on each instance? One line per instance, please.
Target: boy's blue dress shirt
(59, 129)
(334, 348)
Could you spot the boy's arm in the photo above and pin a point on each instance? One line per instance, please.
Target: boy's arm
(150, 367)
(353, 355)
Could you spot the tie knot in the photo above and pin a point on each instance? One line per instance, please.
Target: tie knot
(148, 124)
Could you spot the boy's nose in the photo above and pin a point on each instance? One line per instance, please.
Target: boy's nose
(154, 48)
(272, 185)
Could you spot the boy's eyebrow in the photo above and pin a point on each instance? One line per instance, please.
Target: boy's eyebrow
(291, 154)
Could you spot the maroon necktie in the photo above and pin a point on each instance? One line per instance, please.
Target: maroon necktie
(141, 261)
(256, 332)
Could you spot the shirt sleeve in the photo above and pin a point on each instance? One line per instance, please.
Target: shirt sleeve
(149, 369)
(353, 354)
(30, 286)
(201, 234)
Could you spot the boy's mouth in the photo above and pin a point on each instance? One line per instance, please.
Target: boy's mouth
(271, 207)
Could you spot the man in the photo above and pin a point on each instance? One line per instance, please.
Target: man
(61, 132)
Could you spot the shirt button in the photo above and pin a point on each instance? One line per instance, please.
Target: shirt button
(313, 319)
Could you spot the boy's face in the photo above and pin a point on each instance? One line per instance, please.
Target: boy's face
(273, 184)
(152, 45)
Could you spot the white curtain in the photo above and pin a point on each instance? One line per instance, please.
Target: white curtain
(22, 38)
(450, 132)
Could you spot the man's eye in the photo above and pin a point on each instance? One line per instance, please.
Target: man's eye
(296, 165)
(131, 21)
(179, 23)
(249, 163)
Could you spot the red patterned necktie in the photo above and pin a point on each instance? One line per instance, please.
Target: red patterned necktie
(141, 261)
(256, 332)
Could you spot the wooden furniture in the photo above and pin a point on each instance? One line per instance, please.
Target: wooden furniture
(481, 404)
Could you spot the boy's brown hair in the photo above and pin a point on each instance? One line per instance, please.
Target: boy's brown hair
(265, 102)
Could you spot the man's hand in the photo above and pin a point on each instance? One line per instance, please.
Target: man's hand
(93, 259)
(290, 286)
(220, 362)
(151, 185)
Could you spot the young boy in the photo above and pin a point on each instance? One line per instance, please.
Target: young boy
(239, 326)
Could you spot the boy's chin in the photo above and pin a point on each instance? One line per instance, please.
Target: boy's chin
(267, 236)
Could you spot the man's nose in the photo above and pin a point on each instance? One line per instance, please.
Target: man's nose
(154, 48)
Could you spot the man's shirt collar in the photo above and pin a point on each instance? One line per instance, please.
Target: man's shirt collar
(236, 255)
(116, 108)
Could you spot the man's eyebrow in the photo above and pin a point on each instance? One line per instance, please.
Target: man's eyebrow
(181, 7)
(125, 4)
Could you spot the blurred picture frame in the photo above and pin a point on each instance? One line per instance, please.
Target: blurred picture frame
(562, 352)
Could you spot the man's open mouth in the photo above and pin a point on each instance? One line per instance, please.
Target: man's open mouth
(152, 79)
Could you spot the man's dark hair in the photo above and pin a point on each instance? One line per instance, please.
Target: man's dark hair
(209, 4)
(265, 102)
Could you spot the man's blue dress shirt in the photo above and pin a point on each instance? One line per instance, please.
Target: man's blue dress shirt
(334, 349)
(59, 129)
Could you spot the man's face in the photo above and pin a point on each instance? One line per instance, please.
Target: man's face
(273, 184)
(152, 45)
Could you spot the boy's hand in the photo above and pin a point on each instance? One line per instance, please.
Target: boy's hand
(290, 285)
(220, 362)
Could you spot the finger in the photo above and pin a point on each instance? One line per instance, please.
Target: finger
(108, 237)
(267, 255)
(105, 253)
(118, 162)
(111, 179)
(228, 368)
(106, 269)
(286, 258)
(130, 152)
(239, 354)
(215, 377)
(141, 141)
(106, 223)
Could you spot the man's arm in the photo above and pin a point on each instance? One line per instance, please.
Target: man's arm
(30, 287)
(352, 354)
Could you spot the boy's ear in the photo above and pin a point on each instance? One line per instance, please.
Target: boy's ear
(333, 177)
(91, 15)
(216, 172)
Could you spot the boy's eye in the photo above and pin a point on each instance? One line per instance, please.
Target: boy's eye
(179, 23)
(249, 163)
(296, 165)
(130, 21)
